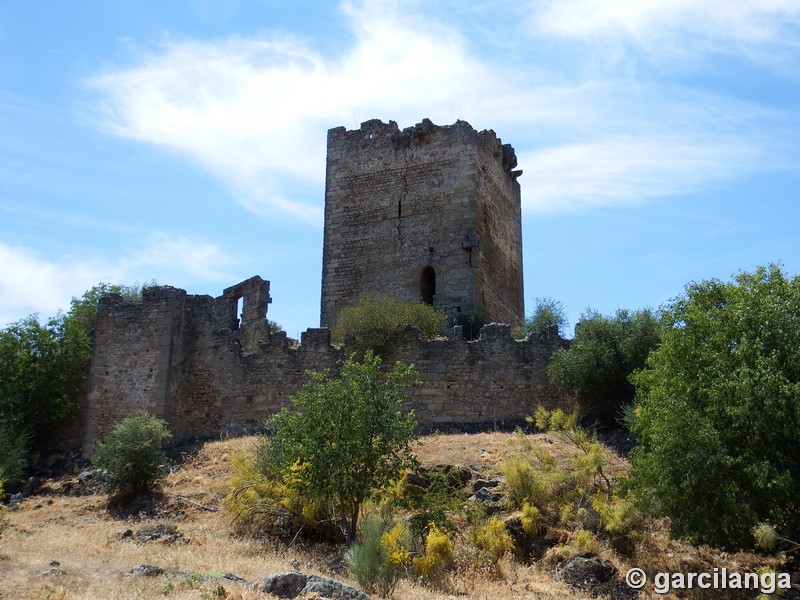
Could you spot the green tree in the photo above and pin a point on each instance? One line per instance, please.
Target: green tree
(604, 353)
(718, 411)
(547, 313)
(42, 374)
(131, 455)
(44, 367)
(342, 439)
(376, 322)
(83, 310)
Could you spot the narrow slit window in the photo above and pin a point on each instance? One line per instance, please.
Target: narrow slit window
(427, 285)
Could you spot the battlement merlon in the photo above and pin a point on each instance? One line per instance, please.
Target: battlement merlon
(376, 132)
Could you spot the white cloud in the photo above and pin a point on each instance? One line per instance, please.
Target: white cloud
(626, 170)
(666, 27)
(31, 283)
(255, 111)
(170, 257)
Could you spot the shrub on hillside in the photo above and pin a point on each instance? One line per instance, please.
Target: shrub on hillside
(717, 411)
(131, 455)
(604, 353)
(262, 505)
(376, 322)
(343, 439)
(492, 539)
(438, 554)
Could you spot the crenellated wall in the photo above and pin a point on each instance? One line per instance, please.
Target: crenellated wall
(180, 357)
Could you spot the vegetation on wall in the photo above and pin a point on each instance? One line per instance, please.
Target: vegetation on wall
(719, 408)
(546, 315)
(377, 322)
(470, 324)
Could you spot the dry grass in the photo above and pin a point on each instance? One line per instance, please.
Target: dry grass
(95, 559)
(483, 451)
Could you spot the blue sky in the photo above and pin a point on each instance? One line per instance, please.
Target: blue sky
(184, 141)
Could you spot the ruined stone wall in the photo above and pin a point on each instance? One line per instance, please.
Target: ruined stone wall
(170, 355)
(428, 204)
(134, 349)
(495, 380)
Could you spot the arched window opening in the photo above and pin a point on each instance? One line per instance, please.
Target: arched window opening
(427, 285)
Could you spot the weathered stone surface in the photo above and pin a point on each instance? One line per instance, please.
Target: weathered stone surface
(480, 484)
(147, 571)
(293, 583)
(167, 356)
(587, 571)
(491, 499)
(283, 585)
(330, 588)
(167, 534)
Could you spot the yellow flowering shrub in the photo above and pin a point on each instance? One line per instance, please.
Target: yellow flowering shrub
(438, 553)
(492, 539)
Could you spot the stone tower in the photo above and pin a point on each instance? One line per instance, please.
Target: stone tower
(428, 213)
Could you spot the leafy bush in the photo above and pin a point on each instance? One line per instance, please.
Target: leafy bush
(590, 458)
(131, 455)
(380, 557)
(435, 505)
(584, 542)
(531, 519)
(546, 315)
(43, 367)
(618, 514)
(717, 411)
(604, 353)
(492, 539)
(376, 322)
(343, 439)
(533, 476)
(438, 554)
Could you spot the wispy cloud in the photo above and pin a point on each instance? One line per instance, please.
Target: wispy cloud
(255, 111)
(31, 282)
(627, 170)
(170, 257)
(664, 28)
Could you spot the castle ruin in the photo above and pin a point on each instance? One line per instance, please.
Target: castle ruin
(427, 213)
